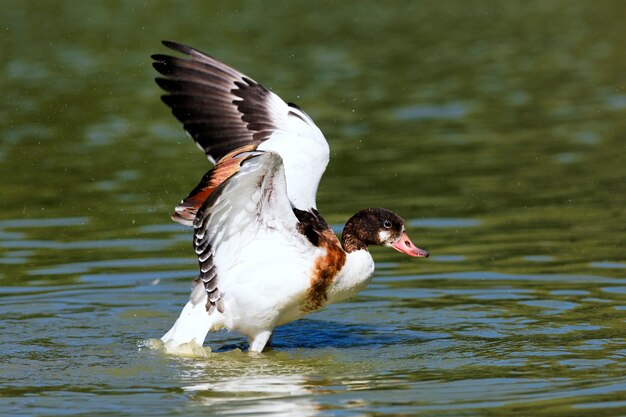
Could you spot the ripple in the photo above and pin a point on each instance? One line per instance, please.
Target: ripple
(444, 222)
(615, 290)
(556, 306)
(539, 258)
(570, 292)
(496, 276)
(431, 112)
(448, 258)
(608, 265)
(616, 101)
(139, 245)
(83, 267)
(600, 404)
(37, 223)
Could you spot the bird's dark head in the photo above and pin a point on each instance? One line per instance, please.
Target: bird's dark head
(378, 226)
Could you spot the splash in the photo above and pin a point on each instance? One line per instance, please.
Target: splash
(191, 349)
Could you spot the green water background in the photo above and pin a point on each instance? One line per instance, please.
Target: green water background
(497, 129)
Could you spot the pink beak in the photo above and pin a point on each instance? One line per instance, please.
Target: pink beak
(405, 245)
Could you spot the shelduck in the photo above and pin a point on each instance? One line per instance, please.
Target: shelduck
(266, 255)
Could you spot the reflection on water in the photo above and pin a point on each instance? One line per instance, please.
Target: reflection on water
(255, 395)
(496, 130)
(232, 382)
(272, 394)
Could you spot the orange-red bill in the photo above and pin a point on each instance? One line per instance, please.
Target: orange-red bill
(405, 245)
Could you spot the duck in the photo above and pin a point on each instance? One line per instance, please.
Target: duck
(266, 255)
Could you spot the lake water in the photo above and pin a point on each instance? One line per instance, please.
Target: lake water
(497, 129)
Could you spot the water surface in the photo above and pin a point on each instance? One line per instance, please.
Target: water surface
(497, 130)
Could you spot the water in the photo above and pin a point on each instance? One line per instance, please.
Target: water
(496, 129)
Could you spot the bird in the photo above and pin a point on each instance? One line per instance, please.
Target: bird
(266, 255)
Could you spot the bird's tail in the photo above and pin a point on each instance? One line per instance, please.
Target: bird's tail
(192, 325)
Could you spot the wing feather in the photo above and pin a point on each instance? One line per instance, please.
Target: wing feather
(223, 110)
(252, 200)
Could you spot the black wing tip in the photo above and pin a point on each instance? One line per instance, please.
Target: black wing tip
(165, 83)
(160, 58)
(186, 50)
(179, 47)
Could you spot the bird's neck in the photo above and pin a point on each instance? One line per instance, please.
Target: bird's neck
(353, 277)
(351, 243)
(350, 238)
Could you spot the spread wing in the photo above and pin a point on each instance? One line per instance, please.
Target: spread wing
(245, 209)
(224, 110)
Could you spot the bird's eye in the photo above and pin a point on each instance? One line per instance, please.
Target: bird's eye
(387, 224)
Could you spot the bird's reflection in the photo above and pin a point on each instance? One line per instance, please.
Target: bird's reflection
(235, 383)
(273, 395)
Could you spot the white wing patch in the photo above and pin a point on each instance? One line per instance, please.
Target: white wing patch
(223, 110)
(246, 206)
(304, 151)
